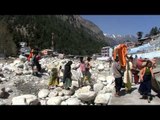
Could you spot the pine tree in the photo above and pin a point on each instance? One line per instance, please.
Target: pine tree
(7, 46)
(139, 34)
(154, 31)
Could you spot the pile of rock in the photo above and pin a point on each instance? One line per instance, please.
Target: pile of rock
(25, 89)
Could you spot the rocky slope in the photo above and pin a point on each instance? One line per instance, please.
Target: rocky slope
(87, 25)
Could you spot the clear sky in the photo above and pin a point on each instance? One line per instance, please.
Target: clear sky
(124, 24)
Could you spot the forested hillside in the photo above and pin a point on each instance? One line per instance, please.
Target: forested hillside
(46, 31)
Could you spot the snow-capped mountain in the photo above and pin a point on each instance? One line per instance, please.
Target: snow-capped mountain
(113, 36)
(121, 38)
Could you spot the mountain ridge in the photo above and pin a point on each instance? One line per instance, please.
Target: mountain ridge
(71, 33)
(117, 38)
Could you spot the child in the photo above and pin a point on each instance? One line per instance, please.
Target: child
(54, 79)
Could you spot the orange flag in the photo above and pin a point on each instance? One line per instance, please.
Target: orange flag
(121, 52)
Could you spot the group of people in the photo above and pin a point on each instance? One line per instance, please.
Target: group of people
(84, 68)
(144, 79)
(119, 72)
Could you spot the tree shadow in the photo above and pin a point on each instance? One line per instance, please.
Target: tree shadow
(123, 92)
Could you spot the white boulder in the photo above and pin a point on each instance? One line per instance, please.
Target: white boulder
(102, 99)
(109, 88)
(53, 94)
(85, 94)
(73, 101)
(110, 79)
(43, 93)
(100, 67)
(102, 78)
(24, 99)
(98, 86)
(54, 101)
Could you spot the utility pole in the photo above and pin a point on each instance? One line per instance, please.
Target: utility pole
(52, 39)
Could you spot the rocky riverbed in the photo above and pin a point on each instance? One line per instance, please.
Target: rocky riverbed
(19, 87)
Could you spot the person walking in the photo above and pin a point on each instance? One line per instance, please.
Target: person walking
(36, 67)
(116, 68)
(54, 78)
(146, 75)
(81, 69)
(67, 81)
(87, 76)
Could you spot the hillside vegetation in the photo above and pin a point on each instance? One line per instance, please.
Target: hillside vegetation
(70, 36)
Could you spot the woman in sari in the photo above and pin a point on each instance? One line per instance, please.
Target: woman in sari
(67, 81)
(146, 75)
(128, 75)
(54, 79)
